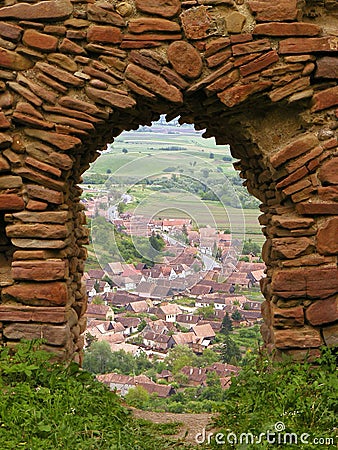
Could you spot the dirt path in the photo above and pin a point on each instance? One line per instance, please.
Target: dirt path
(192, 424)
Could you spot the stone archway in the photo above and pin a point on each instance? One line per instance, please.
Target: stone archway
(261, 77)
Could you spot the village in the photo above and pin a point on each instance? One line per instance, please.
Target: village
(183, 300)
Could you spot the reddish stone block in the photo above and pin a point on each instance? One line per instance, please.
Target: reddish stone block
(290, 88)
(237, 94)
(251, 47)
(292, 222)
(185, 59)
(196, 22)
(60, 217)
(35, 205)
(48, 270)
(104, 34)
(14, 61)
(154, 83)
(68, 46)
(327, 67)
(281, 11)
(215, 46)
(145, 24)
(330, 335)
(164, 8)
(298, 186)
(313, 208)
(219, 58)
(325, 99)
(288, 317)
(60, 141)
(39, 294)
(328, 173)
(307, 45)
(37, 230)
(53, 334)
(40, 41)
(223, 82)
(259, 63)
(10, 31)
(290, 247)
(48, 10)
(59, 74)
(11, 202)
(327, 237)
(287, 29)
(296, 148)
(110, 98)
(323, 311)
(44, 193)
(20, 313)
(303, 337)
(328, 193)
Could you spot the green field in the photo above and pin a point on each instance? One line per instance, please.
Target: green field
(160, 154)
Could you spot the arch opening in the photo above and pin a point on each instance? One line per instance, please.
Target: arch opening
(75, 77)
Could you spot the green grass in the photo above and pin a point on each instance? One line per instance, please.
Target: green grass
(46, 406)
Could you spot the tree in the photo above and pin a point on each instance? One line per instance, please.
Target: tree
(236, 316)
(206, 311)
(124, 150)
(250, 247)
(98, 358)
(211, 156)
(230, 351)
(178, 357)
(97, 300)
(137, 397)
(226, 324)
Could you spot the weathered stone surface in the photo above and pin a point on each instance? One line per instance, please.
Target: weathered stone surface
(145, 24)
(281, 11)
(61, 141)
(329, 193)
(36, 205)
(10, 181)
(313, 282)
(235, 22)
(330, 335)
(223, 82)
(97, 14)
(104, 34)
(59, 217)
(238, 94)
(11, 202)
(327, 67)
(68, 46)
(219, 58)
(290, 88)
(288, 317)
(196, 22)
(31, 243)
(54, 335)
(59, 74)
(11, 312)
(48, 270)
(327, 237)
(296, 148)
(10, 31)
(48, 10)
(328, 173)
(44, 193)
(323, 312)
(40, 41)
(44, 294)
(291, 247)
(325, 99)
(216, 45)
(64, 61)
(259, 63)
(316, 208)
(164, 8)
(292, 222)
(307, 45)
(14, 61)
(251, 47)
(110, 98)
(287, 29)
(38, 230)
(82, 106)
(302, 337)
(185, 59)
(4, 165)
(153, 82)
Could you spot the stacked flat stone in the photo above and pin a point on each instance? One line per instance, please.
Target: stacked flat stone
(259, 75)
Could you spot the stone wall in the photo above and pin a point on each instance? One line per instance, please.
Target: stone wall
(259, 75)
